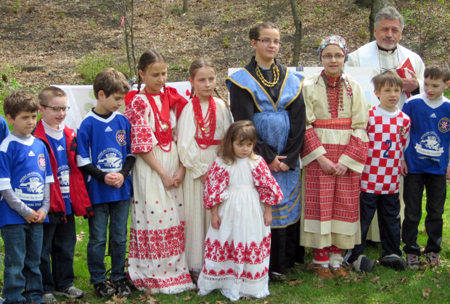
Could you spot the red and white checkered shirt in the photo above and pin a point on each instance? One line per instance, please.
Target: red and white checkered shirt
(388, 133)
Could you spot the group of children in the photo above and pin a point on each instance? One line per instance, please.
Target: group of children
(169, 160)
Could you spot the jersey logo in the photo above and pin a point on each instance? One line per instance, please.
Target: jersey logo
(60, 148)
(31, 188)
(108, 129)
(433, 115)
(41, 161)
(110, 160)
(429, 145)
(444, 125)
(31, 154)
(121, 137)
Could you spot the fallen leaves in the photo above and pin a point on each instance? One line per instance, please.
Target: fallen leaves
(117, 300)
(295, 282)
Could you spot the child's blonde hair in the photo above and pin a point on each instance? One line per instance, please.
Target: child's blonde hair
(198, 64)
(48, 93)
(387, 78)
(110, 81)
(239, 130)
(20, 101)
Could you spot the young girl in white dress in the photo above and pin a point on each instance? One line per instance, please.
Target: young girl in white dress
(240, 191)
(156, 257)
(201, 127)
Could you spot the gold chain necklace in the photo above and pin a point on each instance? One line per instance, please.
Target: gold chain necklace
(276, 76)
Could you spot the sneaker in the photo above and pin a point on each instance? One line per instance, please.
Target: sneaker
(277, 277)
(339, 272)
(412, 260)
(122, 288)
(363, 264)
(49, 298)
(393, 261)
(433, 259)
(71, 293)
(322, 271)
(104, 290)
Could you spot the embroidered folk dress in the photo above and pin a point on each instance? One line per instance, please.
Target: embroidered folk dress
(156, 256)
(237, 254)
(336, 129)
(197, 162)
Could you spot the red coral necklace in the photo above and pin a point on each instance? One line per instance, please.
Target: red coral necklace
(206, 126)
(163, 129)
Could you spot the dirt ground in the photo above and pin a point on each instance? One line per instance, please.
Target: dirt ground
(46, 39)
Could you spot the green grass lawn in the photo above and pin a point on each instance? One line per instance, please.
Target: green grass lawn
(381, 286)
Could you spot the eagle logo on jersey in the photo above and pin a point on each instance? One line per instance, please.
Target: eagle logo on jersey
(444, 125)
(41, 161)
(121, 138)
(429, 145)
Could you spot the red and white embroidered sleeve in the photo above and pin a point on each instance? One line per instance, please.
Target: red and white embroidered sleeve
(215, 188)
(266, 185)
(357, 149)
(141, 133)
(310, 143)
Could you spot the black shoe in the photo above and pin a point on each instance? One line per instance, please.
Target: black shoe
(393, 261)
(363, 264)
(122, 288)
(277, 277)
(104, 290)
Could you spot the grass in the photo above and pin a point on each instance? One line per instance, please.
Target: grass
(381, 286)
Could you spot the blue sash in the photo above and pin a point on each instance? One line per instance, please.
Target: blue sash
(273, 126)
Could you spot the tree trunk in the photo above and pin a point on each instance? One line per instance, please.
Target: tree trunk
(185, 6)
(377, 5)
(297, 34)
(364, 3)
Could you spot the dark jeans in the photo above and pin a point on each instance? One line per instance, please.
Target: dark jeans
(117, 214)
(22, 278)
(285, 248)
(57, 255)
(388, 207)
(436, 188)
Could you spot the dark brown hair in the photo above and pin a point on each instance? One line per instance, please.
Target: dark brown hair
(239, 130)
(387, 78)
(198, 64)
(20, 101)
(110, 81)
(437, 70)
(256, 29)
(49, 93)
(149, 57)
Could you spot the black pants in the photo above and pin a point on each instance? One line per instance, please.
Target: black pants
(285, 248)
(388, 207)
(436, 188)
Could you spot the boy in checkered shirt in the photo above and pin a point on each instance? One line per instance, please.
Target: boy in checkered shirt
(388, 130)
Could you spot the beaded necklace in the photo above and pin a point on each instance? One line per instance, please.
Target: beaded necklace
(334, 94)
(276, 76)
(206, 126)
(163, 129)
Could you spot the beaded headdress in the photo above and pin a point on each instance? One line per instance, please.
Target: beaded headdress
(333, 40)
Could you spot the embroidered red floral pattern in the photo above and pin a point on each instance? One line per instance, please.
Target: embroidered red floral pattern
(157, 244)
(141, 133)
(150, 283)
(214, 191)
(252, 253)
(231, 272)
(266, 185)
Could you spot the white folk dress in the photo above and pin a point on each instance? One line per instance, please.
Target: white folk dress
(197, 162)
(237, 254)
(156, 256)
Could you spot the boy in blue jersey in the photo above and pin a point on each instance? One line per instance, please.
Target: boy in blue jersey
(25, 174)
(104, 154)
(68, 197)
(427, 160)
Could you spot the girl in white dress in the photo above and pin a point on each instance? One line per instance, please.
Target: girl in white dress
(156, 256)
(201, 127)
(240, 191)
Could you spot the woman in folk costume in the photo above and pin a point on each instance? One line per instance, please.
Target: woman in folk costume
(334, 153)
(156, 260)
(201, 127)
(268, 94)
